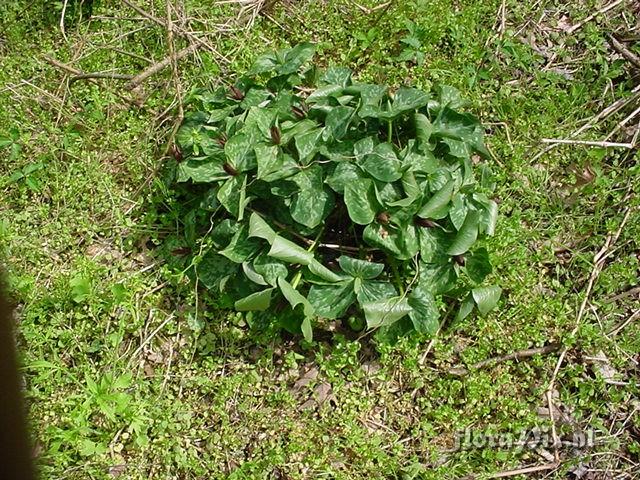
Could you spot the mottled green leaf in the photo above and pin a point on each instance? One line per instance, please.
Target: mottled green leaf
(313, 202)
(372, 290)
(261, 229)
(486, 298)
(295, 298)
(424, 314)
(270, 268)
(200, 171)
(385, 312)
(478, 265)
(437, 205)
(467, 234)
(360, 268)
(382, 163)
(332, 301)
(307, 144)
(241, 246)
(359, 196)
(337, 122)
(344, 174)
(231, 193)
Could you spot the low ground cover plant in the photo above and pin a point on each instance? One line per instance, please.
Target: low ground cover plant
(310, 196)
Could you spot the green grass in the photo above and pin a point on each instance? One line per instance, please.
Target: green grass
(131, 370)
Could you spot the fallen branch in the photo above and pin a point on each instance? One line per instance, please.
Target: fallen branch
(519, 355)
(522, 471)
(604, 9)
(587, 143)
(79, 74)
(156, 67)
(624, 51)
(179, 31)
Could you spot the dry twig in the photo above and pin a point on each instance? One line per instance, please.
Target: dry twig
(519, 355)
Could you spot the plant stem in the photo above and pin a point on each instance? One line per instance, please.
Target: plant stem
(396, 275)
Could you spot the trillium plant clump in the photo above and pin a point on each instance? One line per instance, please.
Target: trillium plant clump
(314, 197)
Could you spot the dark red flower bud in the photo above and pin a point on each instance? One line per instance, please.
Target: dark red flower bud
(298, 112)
(229, 169)
(176, 152)
(275, 135)
(425, 222)
(222, 140)
(236, 93)
(459, 259)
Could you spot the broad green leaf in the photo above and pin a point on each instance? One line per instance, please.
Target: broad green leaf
(382, 163)
(458, 210)
(261, 229)
(324, 92)
(360, 268)
(337, 122)
(252, 275)
(371, 291)
(466, 307)
(213, 270)
(332, 301)
(201, 171)
(290, 130)
(407, 98)
(295, 298)
(254, 97)
(399, 238)
(437, 206)
(359, 196)
(370, 95)
(307, 144)
(433, 244)
(257, 126)
(344, 174)
(288, 251)
(307, 329)
(425, 312)
(256, 301)
(230, 194)
(270, 269)
(478, 265)
(295, 57)
(437, 278)
(467, 234)
(385, 312)
(323, 272)
(313, 202)
(337, 76)
(363, 147)
(486, 298)
(264, 63)
(241, 247)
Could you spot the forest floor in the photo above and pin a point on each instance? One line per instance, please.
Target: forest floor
(131, 373)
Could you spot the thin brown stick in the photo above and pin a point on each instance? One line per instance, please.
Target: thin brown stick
(179, 31)
(113, 76)
(519, 355)
(156, 67)
(624, 51)
(587, 143)
(620, 296)
(604, 9)
(522, 471)
(620, 327)
(78, 73)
